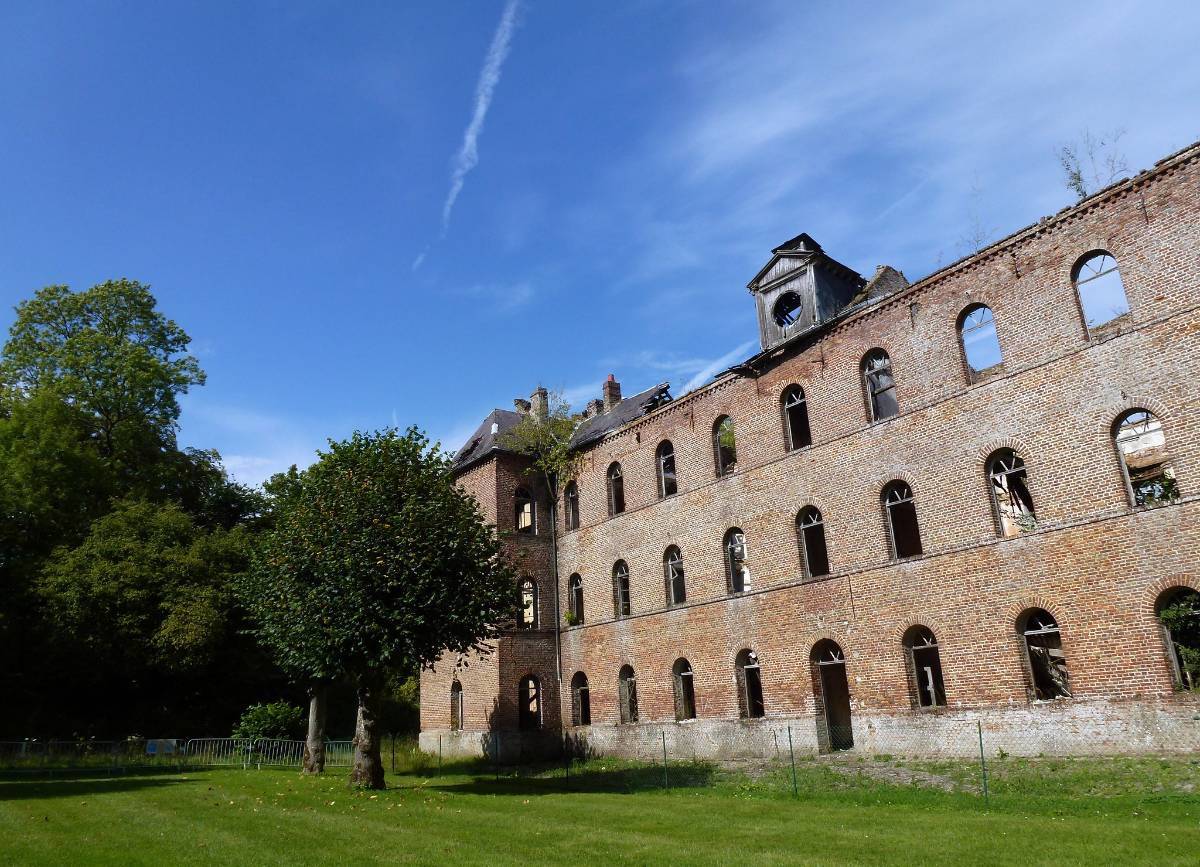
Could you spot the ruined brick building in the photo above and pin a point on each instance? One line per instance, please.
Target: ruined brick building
(919, 506)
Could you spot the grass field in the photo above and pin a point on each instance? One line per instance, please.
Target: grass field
(848, 811)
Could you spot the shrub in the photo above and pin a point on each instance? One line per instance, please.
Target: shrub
(275, 720)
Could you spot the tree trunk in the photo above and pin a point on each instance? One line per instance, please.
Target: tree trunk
(314, 747)
(368, 766)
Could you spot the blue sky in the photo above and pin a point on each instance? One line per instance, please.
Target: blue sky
(282, 174)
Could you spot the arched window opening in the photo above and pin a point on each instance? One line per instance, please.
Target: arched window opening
(529, 604)
(581, 700)
(621, 606)
(926, 662)
(724, 446)
(627, 694)
(749, 679)
(737, 571)
(529, 704)
(1178, 611)
(833, 695)
(525, 512)
(1142, 445)
(676, 590)
(981, 346)
(901, 515)
(1010, 494)
(616, 490)
(810, 535)
(456, 707)
(796, 434)
(1043, 649)
(879, 385)
(574, 600)
(668, 484)
(571, 506)
(787, 310)
(1101, 292)
(685, 690)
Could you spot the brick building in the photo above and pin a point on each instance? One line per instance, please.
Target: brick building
(919, 507)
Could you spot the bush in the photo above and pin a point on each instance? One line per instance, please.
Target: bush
(275, 720)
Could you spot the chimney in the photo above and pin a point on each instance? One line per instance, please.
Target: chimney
(612, 392)
(521, 405)
(593, 408)
(539, 403)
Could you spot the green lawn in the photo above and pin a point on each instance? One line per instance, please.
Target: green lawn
(1049, 811)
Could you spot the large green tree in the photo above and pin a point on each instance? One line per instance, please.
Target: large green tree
(377, 563)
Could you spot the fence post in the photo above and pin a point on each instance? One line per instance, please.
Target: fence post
(982, 762)
(393, 752)
(792, 753)
(439, 755)
(664, 743)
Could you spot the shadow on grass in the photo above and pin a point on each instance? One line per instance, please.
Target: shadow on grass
(586, 778)
(26, 790)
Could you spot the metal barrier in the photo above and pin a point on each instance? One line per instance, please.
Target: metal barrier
(220, 752)
(51, 754)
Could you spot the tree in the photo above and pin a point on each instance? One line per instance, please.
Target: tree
(1092, 163)
(376, 563)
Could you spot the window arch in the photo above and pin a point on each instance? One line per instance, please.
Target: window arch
(621, 607)
(529, 604)
(900, 513)
(1011, 500)
(616, 489)
(810, 536)
(627, 694)
(749, 680)
(880, 387)
(788, 310)
(925, 665)
(980, 345)
(529, 703)
(1145, 461)
(685, 689)
(571, 505)
(664, 460)
(456, 706)
(581, 700)
(737, 571)
(1100, 289)
(673, 581)
(794, 405)
(1178, 613)
(724, 446)
(575, 598)
(526, 512)
(1044, 654)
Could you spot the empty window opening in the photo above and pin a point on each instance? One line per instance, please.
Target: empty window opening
(787, 310)
(1142, 445)
(1101, 292)
(676, 590)
(581, 700)
(571, 508)
(668, 484)
(616, 490)
(810, 535)
(901, 514)
(529, 704)
(1043, 649)
(627, 695)
(621, 589)
(1178, 611)
(529, 604)
(750, 691)
(574, 599)
(525, 512)
(795, 419)
(456, 707)
(879, 384)
(926, 662)
(832, 692)
(737, 570)
(724, 446)
(685, 690)
(981, 346)
(1010, 494)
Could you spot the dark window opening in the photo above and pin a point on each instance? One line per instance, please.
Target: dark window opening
(1043, 648)
(750, 691)
(901, 515)
(571, 509)
(1145, 460)
(685, 690)
(676, 590)
(1010, 494)
(724, 446)
(926, 666)
(627, 694)
(880, 386)
(456, 707)
(795, 419)
(581, 700)
(1178, 611)
(529, 704)
(525, 512)
(574, 600)
(810, 533)
(1101, 292)
(833, 696)
(787, 310)
(621, 606)
(529, 604)
(668, 484)
(616, 490)
(737, 571)
(981, 346)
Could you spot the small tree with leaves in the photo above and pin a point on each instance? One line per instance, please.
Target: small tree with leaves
(1093, 162)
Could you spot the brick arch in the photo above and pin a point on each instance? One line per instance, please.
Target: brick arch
(1162, 585)
(1113, 411)
(811, 639)
(898, 475)
(994, 445)
(911, 619)
(1016, 609)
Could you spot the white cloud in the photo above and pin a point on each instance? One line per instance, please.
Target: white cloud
(717, 365)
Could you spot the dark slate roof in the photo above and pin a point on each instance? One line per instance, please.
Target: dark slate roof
(886, 281)
(483, 442)
(627, 410)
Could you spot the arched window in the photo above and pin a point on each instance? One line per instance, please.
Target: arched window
(1101, 292)
(796, 434)
(620, 589)
(926, 668)
(879, 385)
(981, 347)
(901, 515)
(525, 512)
(1178, 611)
(1010, 493)
(668, 484)
(1149, 476)
(627, 694)
(616, 490)
(724, 446)
(810, 535)
(581, 700)
(676, 590)
(571, 506)
(575, 599)
(787, 310)
(1044, 653)
(456, 707)
(749, 681)
(529, 704)
(685, 690)
(529, 604)
(737, 572)
(832, 690)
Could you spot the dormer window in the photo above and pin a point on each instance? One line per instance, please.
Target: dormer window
(787, 310)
